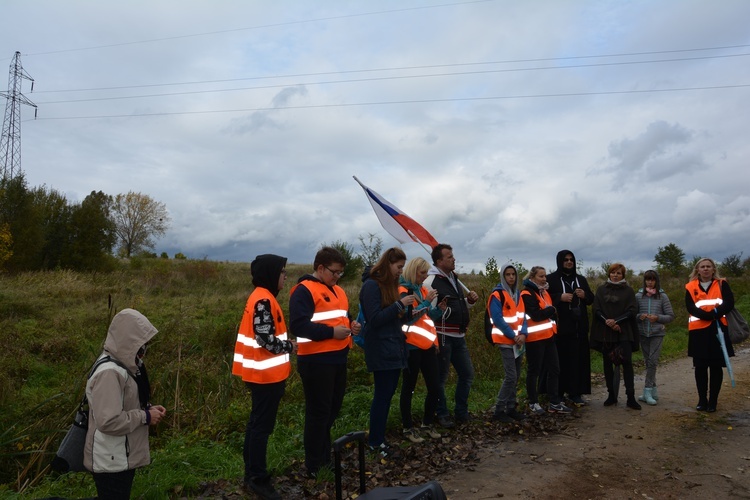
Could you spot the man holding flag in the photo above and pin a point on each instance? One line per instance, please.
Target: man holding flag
(452, 333)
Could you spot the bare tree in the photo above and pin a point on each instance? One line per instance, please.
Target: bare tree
(138, 219)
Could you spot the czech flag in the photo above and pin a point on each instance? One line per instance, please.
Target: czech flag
(396, 222)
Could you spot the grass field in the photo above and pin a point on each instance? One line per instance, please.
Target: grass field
(53, 324)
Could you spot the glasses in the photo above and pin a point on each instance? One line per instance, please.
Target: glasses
(337, 274)
(568, 259)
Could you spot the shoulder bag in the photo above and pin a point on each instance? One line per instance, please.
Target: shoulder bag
(738, 328)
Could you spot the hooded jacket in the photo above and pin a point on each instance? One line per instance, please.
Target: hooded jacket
(117, 438)
(572, 317)
(505, 315)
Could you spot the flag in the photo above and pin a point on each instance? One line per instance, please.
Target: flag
(396, 222)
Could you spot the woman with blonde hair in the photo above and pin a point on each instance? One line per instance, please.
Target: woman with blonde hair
(708, 299)
(385, 311)
(422, 345)
(614, 333)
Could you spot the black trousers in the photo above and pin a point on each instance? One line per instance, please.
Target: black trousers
(426, 361)
(114, 485)
(613, 382)
(324, 386)
(702, 382)
(541, 355)
(266, 399)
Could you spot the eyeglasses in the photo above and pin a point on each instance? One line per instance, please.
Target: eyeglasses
(337, 274)
(568, 259)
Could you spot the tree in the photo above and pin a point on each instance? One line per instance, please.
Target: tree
(92, 234)
(670, 258)
(18, 210)
(354, 264)
(55, 214)
(372, 247)
(731, 266)
(6, 243)
(138, 218)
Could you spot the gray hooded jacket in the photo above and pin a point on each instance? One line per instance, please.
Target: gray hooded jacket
(117, 438)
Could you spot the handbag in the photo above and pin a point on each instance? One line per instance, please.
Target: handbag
(616, 355)
(738, 328)
(69, 456)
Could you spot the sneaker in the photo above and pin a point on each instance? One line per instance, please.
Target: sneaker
(263, 488)
(446, 422)
(430, 431)
(559, 408)
(535, 409)
(412, 435)
(577, 401)
(503, 417)
(382, 449)
(515, 415)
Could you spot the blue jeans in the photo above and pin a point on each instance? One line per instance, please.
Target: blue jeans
(454, 351)
(506, 398)
(386, 382)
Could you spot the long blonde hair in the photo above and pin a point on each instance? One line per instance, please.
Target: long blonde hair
(694, 274)
(414, 266)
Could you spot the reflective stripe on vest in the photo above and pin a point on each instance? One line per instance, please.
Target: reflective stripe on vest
(511, 315)
(422, 332)
(540, 330)
(251, 361)
(331, 309)
(708, 301)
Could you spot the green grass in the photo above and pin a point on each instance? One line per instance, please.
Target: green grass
(53, 324)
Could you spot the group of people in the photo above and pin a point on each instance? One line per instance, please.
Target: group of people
(415, 319)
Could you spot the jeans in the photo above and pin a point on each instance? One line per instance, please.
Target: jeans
(114, 485)
(542, 354)
(266, 399)
(612, 372)
(453, 350)
(386, 382)
(651, 348)
(324, 385)
(426, 361)
(506, 398)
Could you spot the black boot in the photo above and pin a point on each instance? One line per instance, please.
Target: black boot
(632, 403)
(611, 400)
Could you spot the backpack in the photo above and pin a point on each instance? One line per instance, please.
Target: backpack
(360, 339)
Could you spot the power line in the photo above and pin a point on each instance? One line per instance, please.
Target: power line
(415, 101)
(262, 26)
(384, 78)
(433, 66)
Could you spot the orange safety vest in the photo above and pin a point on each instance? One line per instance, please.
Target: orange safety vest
(421, 333)
(251, 361)
(331, 309)
(708, 301)
(539, 330)
(511, 314)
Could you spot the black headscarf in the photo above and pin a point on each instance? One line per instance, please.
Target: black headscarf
(266, 270)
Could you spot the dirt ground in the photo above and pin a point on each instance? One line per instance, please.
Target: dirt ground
(665, 451)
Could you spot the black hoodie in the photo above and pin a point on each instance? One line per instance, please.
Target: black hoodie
(266, 270)
(572, 316)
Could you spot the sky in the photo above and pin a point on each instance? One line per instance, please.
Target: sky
(507, 129)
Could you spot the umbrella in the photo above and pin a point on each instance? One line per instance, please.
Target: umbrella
(720, 337)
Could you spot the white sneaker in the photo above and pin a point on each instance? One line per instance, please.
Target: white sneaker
(536, 409)
(430, 431)
(412, 435)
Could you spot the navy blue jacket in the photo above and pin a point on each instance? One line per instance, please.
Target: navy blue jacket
(385, 343)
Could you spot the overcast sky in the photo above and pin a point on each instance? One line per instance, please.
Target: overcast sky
(506, 128)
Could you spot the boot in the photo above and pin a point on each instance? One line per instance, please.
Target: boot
(632, 403)
(642, 397)
(648, 396)
(654, 394)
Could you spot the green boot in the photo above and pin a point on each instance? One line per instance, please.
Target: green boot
(648, 397)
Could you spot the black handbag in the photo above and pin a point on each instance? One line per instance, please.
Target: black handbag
(69, 457)
(616, 355)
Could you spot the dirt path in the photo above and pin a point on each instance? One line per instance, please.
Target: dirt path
(665, 451)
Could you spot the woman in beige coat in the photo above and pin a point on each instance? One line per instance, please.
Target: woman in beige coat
(120, 412)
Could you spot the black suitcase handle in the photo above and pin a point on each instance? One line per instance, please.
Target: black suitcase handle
(340, 444)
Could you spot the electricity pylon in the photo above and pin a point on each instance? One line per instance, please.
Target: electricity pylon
(10, 143)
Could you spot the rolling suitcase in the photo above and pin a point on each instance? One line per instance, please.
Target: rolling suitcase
(428, 491)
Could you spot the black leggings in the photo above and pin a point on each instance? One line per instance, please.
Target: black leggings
(701, 382)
